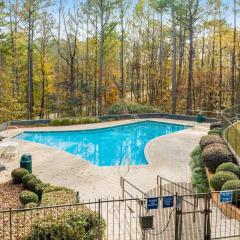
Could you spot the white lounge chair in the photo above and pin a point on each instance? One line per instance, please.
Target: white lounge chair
(8, 149)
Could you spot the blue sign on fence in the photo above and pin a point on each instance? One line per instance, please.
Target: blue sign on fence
(226, 197)
(168, 202)
(152, 203)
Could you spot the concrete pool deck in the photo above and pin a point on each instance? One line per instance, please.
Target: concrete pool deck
(168, 156)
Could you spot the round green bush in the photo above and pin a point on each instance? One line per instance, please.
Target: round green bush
(66, 121)
(27, 178)
(215, 131)
(74, 121)
(235, 186)
(56, 122)
(213, 157)
(31, 184)
(26, 197)
(31, 205)
(71, 226)
(18, 174)
(219, 178)
(216, 145)
(210, 139)
(230, 167)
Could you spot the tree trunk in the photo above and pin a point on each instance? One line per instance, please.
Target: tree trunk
(174, 69)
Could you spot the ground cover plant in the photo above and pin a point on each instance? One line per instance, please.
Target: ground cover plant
(199, 177)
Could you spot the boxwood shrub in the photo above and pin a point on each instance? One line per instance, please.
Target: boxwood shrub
(56, 122)
(215, 131)
(26, 197)
(18, 174)
(230, 167)
(219, 178)
(31, 184)
(233, 185)
(214, 156)
(210, 139)
(73, 121)
(27, 178)
(199, 177)
(71, 226)
(216, 145)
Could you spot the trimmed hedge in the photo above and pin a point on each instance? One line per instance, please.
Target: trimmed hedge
(27, 178)
(233, 185)
(215, 131)
(73, 121)
(18, 174)
(28, 197)
(214, 156)
(216, 145)
(219, 178)
(31, 184)
(58, 198)
(230, 167)
(199, 177)
(71, 226)
(210, 139)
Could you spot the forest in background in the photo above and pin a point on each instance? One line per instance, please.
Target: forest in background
(78, 58)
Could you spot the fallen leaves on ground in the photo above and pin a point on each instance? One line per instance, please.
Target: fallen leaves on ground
(9, 195)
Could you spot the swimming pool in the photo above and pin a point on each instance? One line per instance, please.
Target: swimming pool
(111, 146)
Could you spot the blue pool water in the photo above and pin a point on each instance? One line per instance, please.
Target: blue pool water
(112, 146)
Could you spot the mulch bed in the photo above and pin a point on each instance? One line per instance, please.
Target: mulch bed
(9, 195)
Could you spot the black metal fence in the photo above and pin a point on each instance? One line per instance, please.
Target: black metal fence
(125, 219)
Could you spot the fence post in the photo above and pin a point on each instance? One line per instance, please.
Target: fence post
(10, 224)
(207, 227)
(99, 220)
(160, 186)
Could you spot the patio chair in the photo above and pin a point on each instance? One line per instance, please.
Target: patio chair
(8, 149)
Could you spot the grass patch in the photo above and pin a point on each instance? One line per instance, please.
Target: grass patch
(233, 137)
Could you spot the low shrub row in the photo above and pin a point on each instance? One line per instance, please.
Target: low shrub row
(214, 154)
(77, 225)
(199, 177)
(41, 193)
(74, 224)
(73, 121)
(131, 108)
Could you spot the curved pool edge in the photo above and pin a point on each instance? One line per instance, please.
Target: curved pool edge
(99, 162)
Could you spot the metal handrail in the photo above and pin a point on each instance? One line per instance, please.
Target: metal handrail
(159, 183)
(123, 182)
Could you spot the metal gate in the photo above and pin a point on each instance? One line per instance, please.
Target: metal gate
(192, 216)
